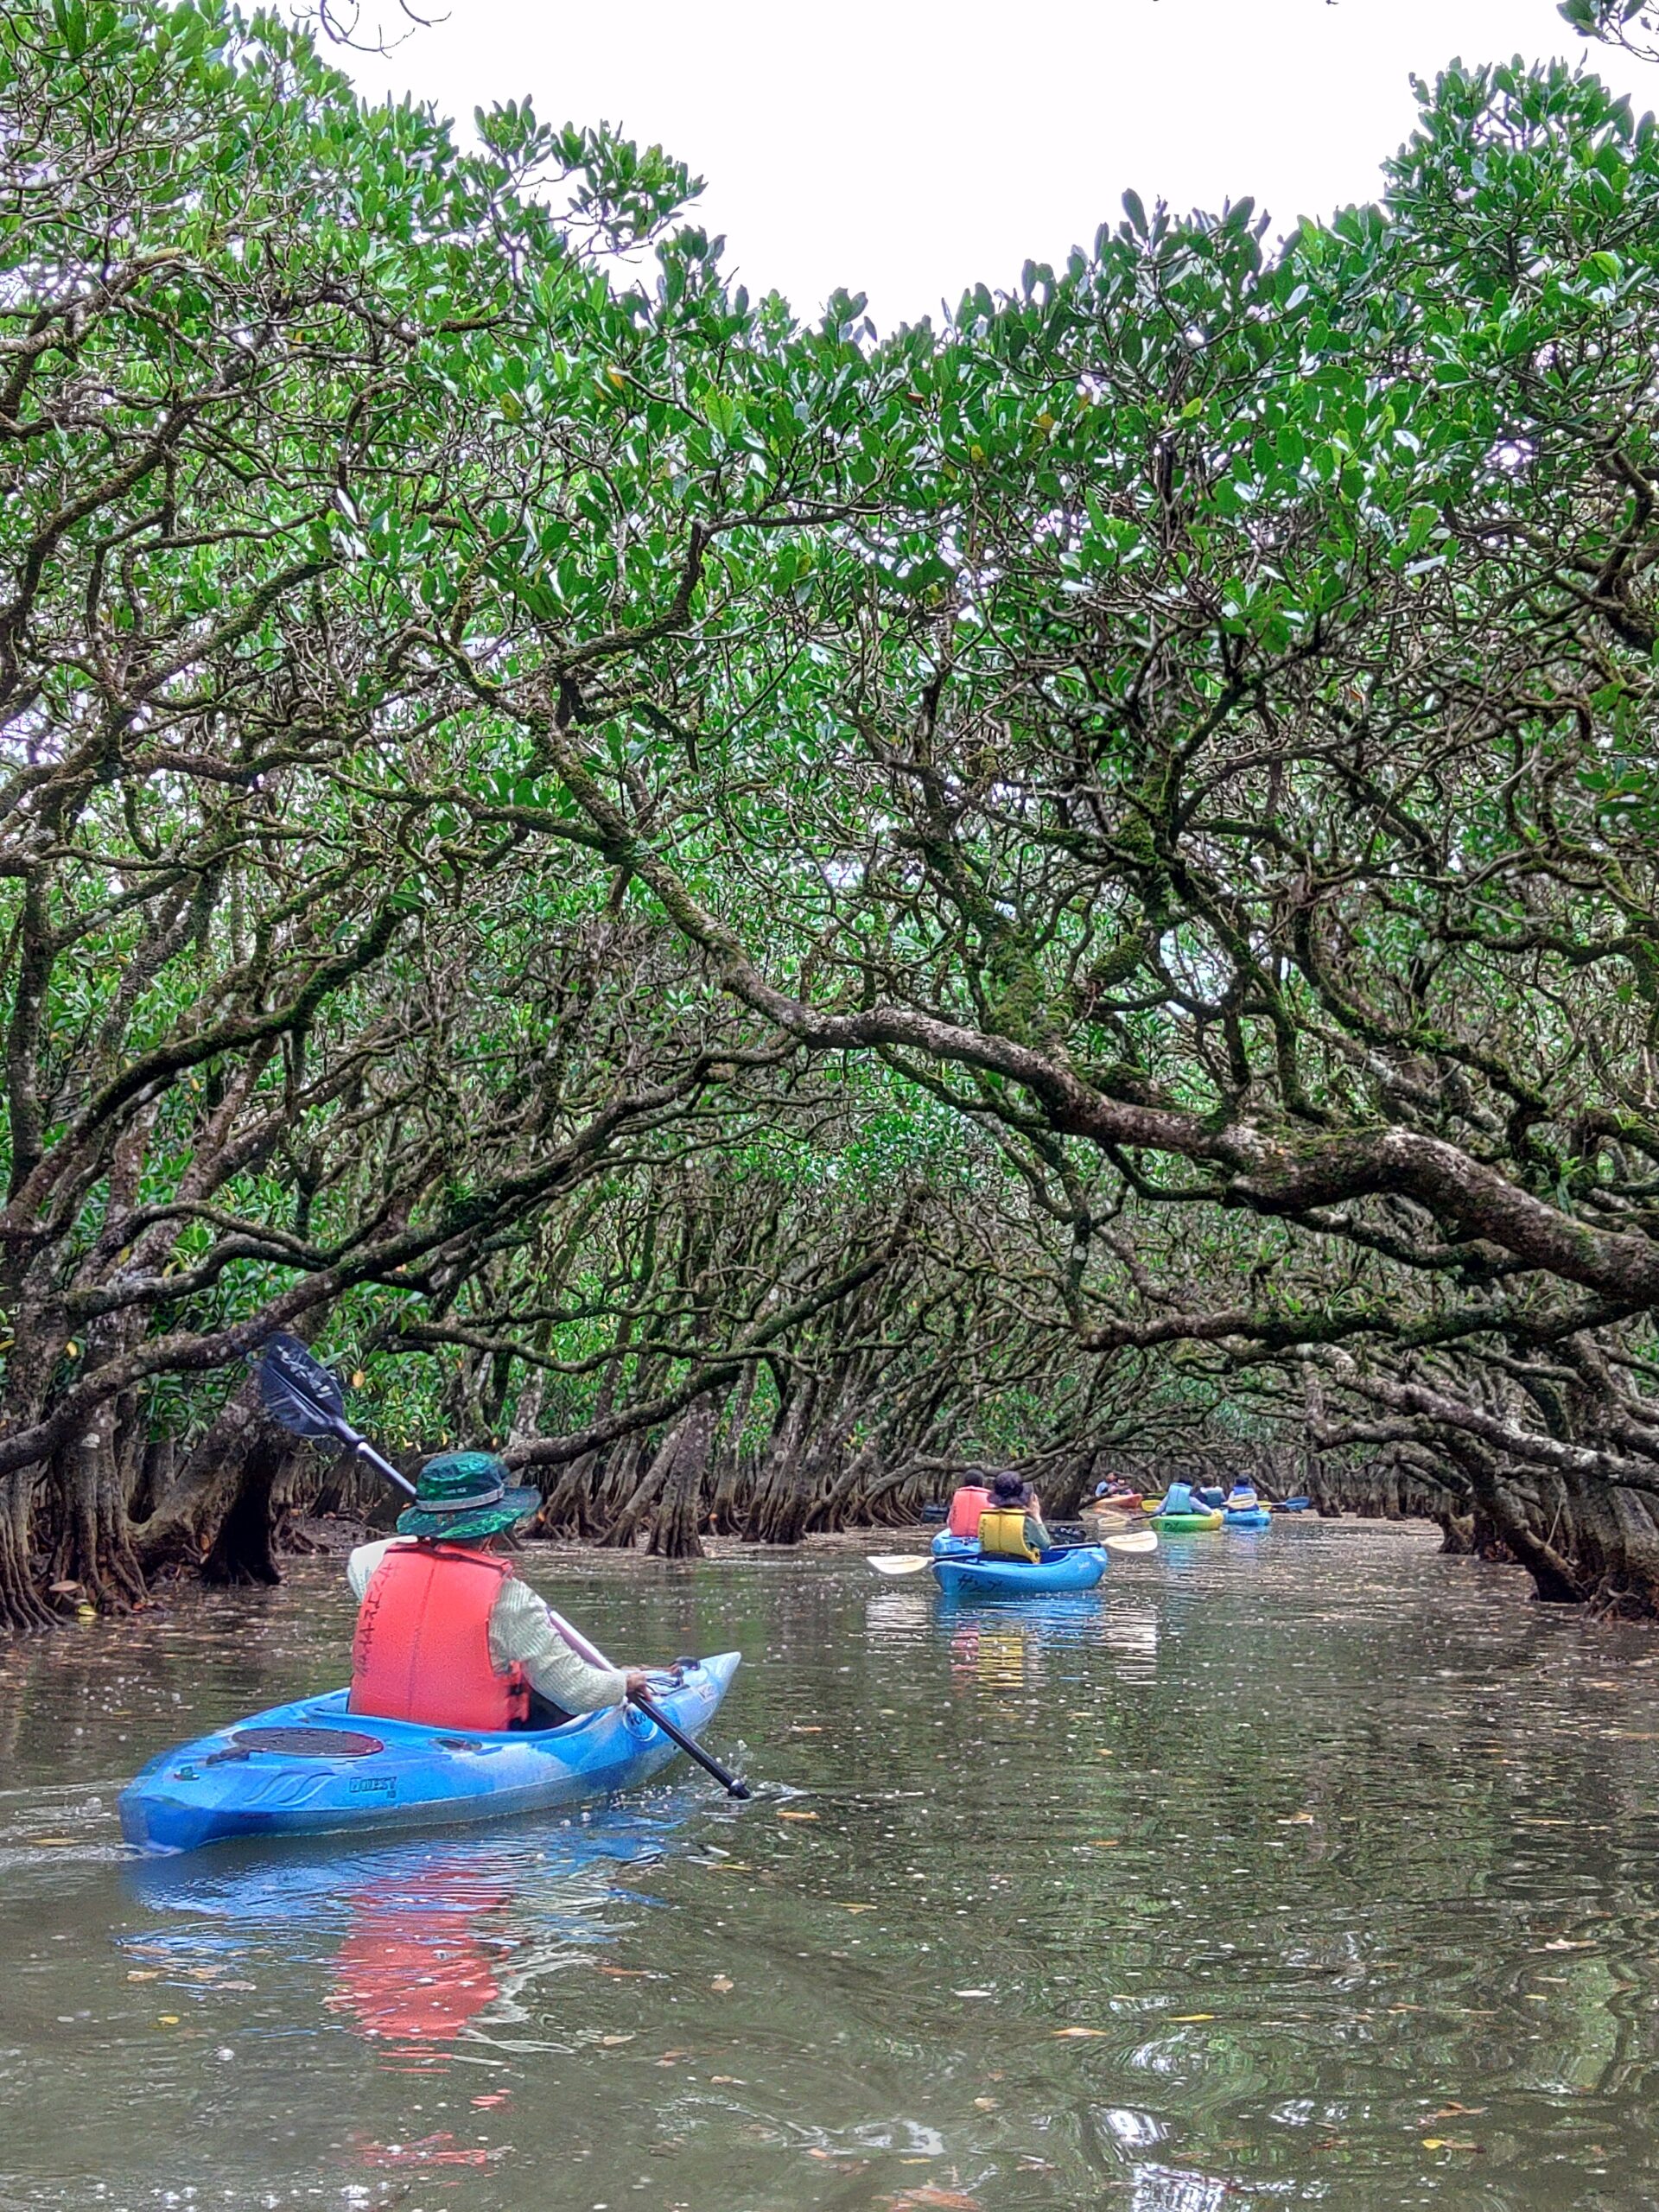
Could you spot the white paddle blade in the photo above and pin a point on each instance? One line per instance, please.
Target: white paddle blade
(899, 1562)
(1137, 1539)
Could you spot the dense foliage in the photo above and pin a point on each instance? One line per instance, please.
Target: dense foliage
(784, 908)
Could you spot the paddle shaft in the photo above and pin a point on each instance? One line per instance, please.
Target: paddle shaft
(693, 1749)
(365, 1450)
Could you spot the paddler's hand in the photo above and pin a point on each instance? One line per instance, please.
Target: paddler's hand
(636, 1681)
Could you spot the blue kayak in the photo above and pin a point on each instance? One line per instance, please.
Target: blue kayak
(1077, 1568)
(1246, 1516)
(311, 1768)
(955, 1546)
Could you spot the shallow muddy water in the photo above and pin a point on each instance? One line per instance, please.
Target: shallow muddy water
(1308, 1868)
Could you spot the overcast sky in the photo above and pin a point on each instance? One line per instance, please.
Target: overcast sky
(911, 148)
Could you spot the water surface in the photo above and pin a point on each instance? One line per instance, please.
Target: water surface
(1303, 1869)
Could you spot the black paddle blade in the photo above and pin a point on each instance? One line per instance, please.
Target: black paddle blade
(299, 1391)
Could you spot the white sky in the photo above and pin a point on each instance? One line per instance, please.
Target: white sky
(911, 148)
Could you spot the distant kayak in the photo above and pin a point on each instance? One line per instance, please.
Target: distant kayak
(1079, 1568)
(1185, 1524)
(955, 1546)
(311, 1768)
(1129, 1503)
(1248, 1516)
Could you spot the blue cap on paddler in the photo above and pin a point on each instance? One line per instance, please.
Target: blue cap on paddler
(465, 1494)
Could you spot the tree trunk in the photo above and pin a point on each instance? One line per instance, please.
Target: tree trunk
(625, 1524)
(674, 1525)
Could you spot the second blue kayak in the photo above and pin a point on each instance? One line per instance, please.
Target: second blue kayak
(311, 1768)
(1078, 1568)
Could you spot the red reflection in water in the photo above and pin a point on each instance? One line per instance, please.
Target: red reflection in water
(416, 1968)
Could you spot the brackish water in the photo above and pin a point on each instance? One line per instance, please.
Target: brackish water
(1309, 1868)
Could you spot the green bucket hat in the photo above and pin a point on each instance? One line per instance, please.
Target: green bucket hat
(461, 1493)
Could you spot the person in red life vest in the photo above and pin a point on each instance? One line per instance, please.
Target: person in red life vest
(968, 1503)
(447, 1634)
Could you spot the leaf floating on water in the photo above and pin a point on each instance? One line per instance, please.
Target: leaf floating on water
(491, 2098)
(722, 1984)
(943, 2200)
(1185, 2020)
(610, 2043)
(1105, 1842)
(729, 2081)
(1455, 2111)
(56, 1842)
(858, 1908)
(1296, 1820)
(797, 1816)
(167, 2020)
(1440, 2142)
(1565, 1944)
(1060, 2034)
(971, 1992)
(144, 1974)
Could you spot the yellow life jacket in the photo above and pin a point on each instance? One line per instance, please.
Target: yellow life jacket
(1003, 1533)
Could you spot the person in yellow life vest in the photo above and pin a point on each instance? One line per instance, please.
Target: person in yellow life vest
(447, 1634)
(1011, 1527)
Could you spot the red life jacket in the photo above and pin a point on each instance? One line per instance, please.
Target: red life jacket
(421, 1650)
(969, 1502)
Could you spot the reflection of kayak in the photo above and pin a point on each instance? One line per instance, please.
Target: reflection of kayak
(1249, 1516)
(1079, 1568)
(313, 1768)
(1185, 1524)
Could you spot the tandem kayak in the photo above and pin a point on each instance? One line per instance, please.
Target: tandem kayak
(1248, 1516)
(311, 1768)
(1185, 1524)
(1079, 1567)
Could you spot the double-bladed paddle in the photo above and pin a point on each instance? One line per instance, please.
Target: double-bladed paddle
(297, 1390)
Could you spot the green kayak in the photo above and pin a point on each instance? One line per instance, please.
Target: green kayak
(1185, 1524)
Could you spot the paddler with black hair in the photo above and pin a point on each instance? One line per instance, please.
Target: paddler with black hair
(447, 1634)
(1012, 1525)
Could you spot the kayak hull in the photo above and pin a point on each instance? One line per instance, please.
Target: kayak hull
(1249, 1516)
(1185, 1524)
(1079, 1568)
(395, 1774)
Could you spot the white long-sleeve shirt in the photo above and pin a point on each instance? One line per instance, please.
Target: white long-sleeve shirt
(521, 1634)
